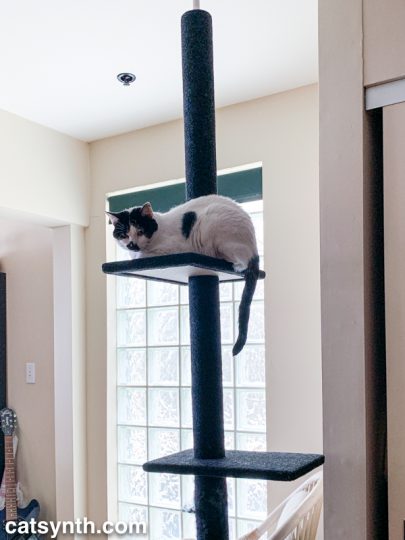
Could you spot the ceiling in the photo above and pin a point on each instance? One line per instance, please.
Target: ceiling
(59, 59)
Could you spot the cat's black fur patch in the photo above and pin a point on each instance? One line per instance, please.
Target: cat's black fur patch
(187, 223)
(121, 228)
(144, 224)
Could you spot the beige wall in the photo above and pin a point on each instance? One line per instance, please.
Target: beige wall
(351, 282)
(44, 179)
(384, 43)
(342, 268)
(281, 131)
(26, 257)
(394, 203)
(42, 173)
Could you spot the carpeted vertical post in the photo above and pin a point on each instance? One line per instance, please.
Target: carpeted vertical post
(205, 332)
(198, 103)
(206, 367)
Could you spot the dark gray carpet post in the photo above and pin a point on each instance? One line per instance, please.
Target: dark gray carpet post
(208, 419)
(211, 508)
(205, 333)
(206, 368)
(198, 103)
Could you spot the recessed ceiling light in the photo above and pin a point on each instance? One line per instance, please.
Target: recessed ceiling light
(126, 78)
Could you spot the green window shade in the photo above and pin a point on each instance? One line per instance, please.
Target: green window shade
(242, 186)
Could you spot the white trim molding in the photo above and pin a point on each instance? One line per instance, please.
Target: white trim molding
(382, 95)
(69, 372)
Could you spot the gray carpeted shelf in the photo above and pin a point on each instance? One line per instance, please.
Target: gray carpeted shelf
(176, 268)
(279, 466)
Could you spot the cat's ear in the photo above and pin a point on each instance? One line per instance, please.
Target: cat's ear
(114, 218)
(147, 210)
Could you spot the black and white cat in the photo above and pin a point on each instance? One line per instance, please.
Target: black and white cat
(210, 225)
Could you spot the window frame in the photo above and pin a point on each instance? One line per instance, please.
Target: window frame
(162, 198)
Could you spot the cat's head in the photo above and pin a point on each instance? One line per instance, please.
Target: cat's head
(134, 228)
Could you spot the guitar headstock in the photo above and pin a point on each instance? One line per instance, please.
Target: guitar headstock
(8, 421)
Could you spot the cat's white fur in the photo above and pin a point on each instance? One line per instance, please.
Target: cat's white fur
(217, 227)
(222, 229)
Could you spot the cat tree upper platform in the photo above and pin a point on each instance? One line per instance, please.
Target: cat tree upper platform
(176, 268)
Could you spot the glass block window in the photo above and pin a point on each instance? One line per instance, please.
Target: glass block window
(154, 400)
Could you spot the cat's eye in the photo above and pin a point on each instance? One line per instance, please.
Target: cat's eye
(139, 233)
(120, 235)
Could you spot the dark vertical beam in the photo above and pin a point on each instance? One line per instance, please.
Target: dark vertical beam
(3, 360)
(375, 342)
(205, 331)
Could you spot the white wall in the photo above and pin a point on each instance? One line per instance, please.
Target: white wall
(281, 131)
(26, 257)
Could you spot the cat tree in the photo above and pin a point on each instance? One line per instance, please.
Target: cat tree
(207, 461)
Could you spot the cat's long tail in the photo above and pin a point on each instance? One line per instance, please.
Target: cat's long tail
(251, 276)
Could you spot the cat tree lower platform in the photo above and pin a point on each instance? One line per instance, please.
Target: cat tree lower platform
(278, 466)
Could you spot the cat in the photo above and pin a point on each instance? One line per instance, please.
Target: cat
(211, 225)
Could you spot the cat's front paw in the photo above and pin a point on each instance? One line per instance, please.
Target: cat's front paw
(239, 267)
(136, 255)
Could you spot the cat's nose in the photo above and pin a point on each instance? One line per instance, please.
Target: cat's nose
(133, 247)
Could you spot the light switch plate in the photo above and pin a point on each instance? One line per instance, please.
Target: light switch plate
(30, 373)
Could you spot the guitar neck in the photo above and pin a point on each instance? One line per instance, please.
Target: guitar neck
(9, 475)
